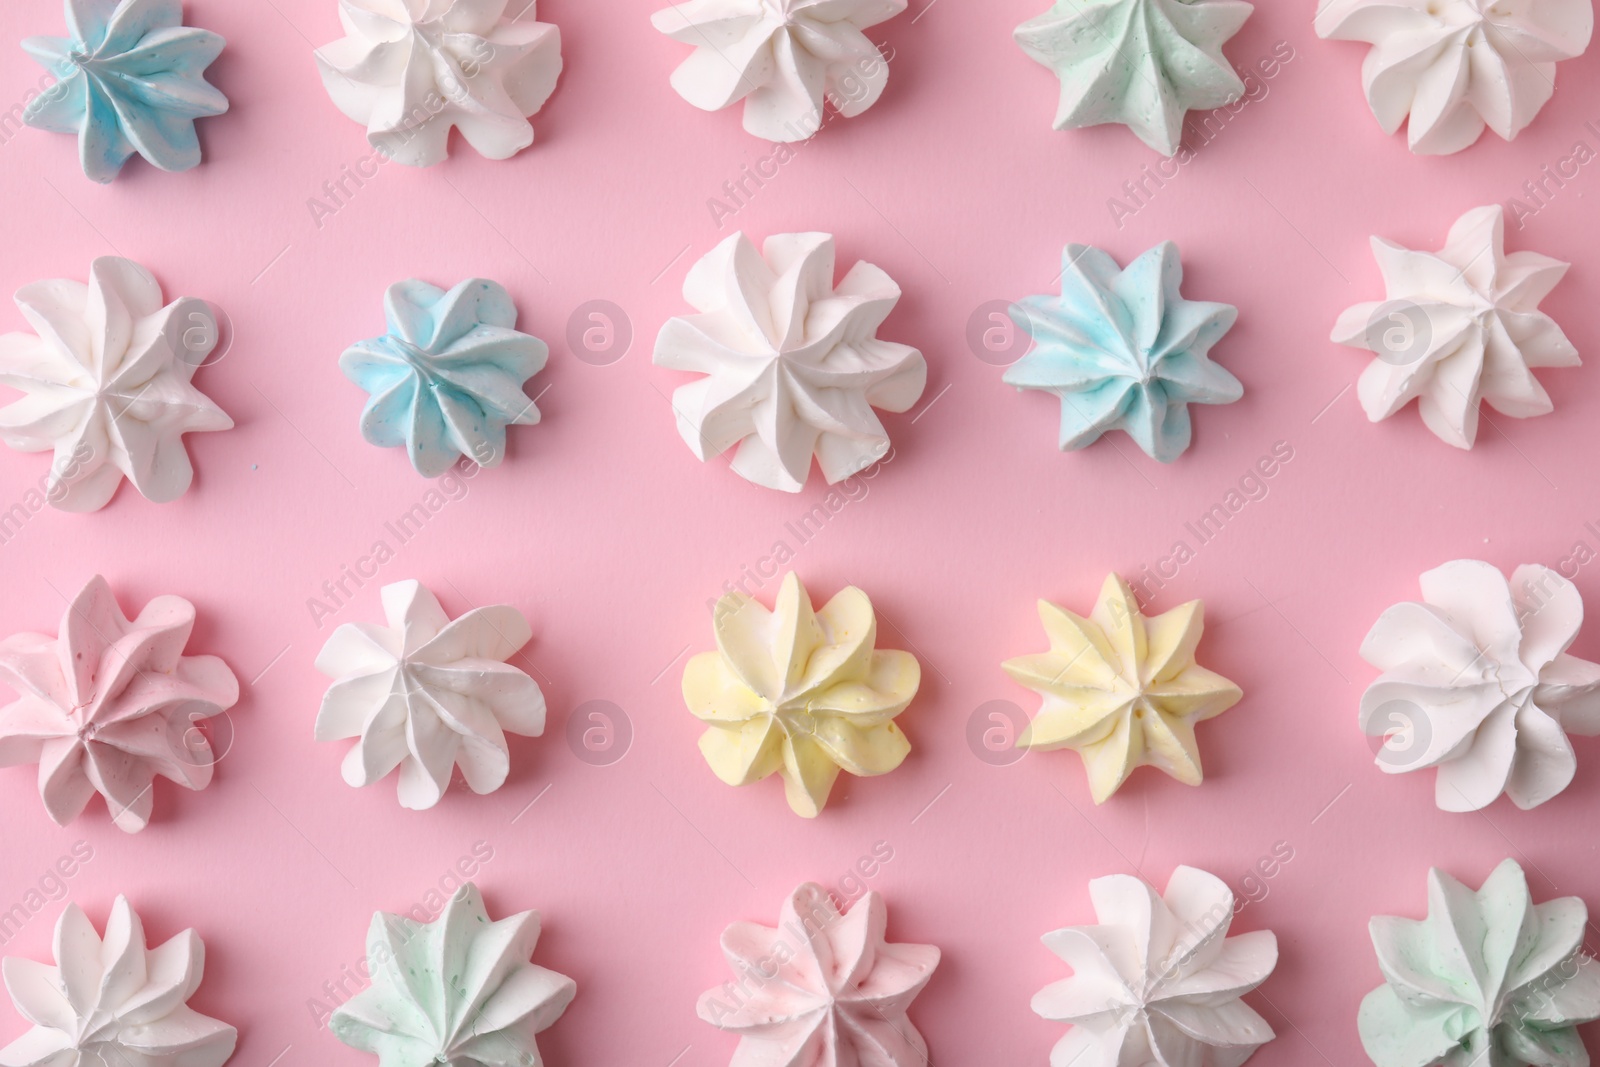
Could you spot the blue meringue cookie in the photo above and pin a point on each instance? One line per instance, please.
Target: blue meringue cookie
(1124, 351)
(446, 380)
(131, 78)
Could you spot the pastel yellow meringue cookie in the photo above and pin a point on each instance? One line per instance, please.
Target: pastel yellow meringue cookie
(799, 692)
(1121, 689)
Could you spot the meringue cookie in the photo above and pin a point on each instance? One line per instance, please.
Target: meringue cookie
(1159, 980)
(1478, 683)
(114, 1001)
(110, 704)
(411, 70)
(1142, 63)
(459, 990)
(1124, 350)
(793, 365)
(823, 989)
(131, 78)
(108, 384)
(800, 693)
(1459, 327)
(446, 380)
(1488, 977)
(1122, 690)
(1455, 66)
(426, 694)
(781, 57)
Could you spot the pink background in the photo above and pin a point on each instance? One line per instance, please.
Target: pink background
(605, 531)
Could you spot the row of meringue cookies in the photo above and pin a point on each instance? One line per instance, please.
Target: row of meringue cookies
(791, 365)
(1487, 976)
(131, 76)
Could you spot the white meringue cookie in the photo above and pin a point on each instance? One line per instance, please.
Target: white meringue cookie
(426, 694)
(793, 365)
(1460, 327)
(412, 70)
(781, 57)
(114, 1001)
(108, 384)
(1478, 683)
(1455, 66)
(1159, 980)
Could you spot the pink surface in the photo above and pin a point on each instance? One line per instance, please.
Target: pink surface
(607, 533)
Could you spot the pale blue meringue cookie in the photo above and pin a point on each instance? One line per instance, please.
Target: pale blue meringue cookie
(130, 78)
(446, 380)
(1124, 351)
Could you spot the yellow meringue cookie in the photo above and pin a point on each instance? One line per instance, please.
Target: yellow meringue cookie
(1121, 689)
(800, 692)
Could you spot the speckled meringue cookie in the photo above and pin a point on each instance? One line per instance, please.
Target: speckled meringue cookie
(1489, 977)
(1122, 689)
(108, 387)
(783, 58)
(114, 1001)
(822, 989)
(427, 694)
(1458, 328)
(458, 991)
(1158, 981)
(1455, 66)
(130, 78)
(1477, 682)
(1142, 63)
(800, 693)
(1123, 350)
(446, 379)
(410, 71)
(793, 365)
(110, 704)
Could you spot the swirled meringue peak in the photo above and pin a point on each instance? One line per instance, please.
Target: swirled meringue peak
(822, 989)
(427, 694)
(1142, 63)
(1123, 350)
(410, 71)
(130, 78)
(1460, 327)
(108, 384)
(113, 1001)
(1489, 977)
(1456, 66)
(1158, 980)
(800, 693)
(460, 991)
(793, 365)
(1122, 689)
(446, 379)
(783, 58)
(110, 704)
(1477, 682)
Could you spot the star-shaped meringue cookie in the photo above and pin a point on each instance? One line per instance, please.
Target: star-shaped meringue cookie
(1456, 66)
(793, 365)
(1142, 63)
(1459, 327)
(108, 387)
(1123, 350)
(410, 71)
(112, 1002)
(109, 705)
(1122, 689)
(427, 694)
(823, 989)
(800, 693)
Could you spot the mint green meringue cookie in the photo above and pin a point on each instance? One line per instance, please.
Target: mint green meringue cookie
(1488, 979)
(1143, 63)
